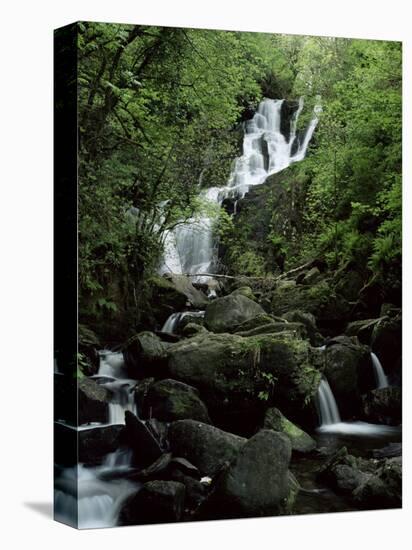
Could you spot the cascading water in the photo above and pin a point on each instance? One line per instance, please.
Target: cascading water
(172, 323)
(331, 423)
(380, 376)
(190, 248)
(328, 408)
(95, 494)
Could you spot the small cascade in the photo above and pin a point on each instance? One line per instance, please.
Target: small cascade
(172, 323)
(328, 408)
(380, 377)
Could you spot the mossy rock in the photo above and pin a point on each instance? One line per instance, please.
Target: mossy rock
(300, 440)
(225, 314)
(245, 291)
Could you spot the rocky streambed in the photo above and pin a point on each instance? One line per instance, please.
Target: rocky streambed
(222, 417)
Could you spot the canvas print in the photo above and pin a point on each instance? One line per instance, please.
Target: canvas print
(228, 225)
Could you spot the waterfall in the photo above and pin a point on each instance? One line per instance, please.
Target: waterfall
(380, 376)
(191, 247)
(172, 323)
(328, 408)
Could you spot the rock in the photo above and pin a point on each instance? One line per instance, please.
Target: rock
(170, 400)
(145, 354)
(95, 443)
(256, 483)
(141, 392)
(224, 314)
(296, 329)
(386, 342)
(331, 310)
(93, 402)
(166, 299)
(156, 502)
(258, 321)
(309, 321)
(193, 328)
(384, 489)
(383, 406)
(88, 346)
(348, 284)
(389, 451)
(196, 491)
(300, 440)
(207, 447)
(146, 448)
(244, 291)
(311, 276)
(371, 483)
(65, 444)
(362, 329)
(193, 295)
(349, 371)
(238, 376)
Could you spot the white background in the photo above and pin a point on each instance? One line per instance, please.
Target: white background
(26, 269)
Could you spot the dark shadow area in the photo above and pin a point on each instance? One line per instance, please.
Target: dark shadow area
(43, 508)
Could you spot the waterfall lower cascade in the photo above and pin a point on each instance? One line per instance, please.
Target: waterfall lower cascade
(380, 376)
(331, 423)
(172, 323)
(190, 248)
(95, 494)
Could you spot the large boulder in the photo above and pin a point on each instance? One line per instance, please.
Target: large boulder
(309, 321)
(156, 502)
(141, 439)
(93, 402)
(95, 443)
(383, 406)
(256, 483)
(238, 377)
(300, 440)
(166, 299)
(145, 354)
(224, 314)
(296, 329)
(207, 447)
(170, 400)
(348, 368)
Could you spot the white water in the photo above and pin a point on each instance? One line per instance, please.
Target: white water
(173, 321)
(95, 494)
(328, 408)
(191, 247)
(380, 376)
(331, 423)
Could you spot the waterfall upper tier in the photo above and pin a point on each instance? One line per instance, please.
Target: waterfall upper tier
(191, 247)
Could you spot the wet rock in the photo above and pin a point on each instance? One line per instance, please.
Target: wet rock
(95, 443)
(362, 329)
(146, 447)
(349, 371)
(170, 400)
(386, 342)
(258, 321)
(244, 291)
(156, 502)
(145, 354)
(235, 376)
(166, 299)
(384, 489)
(309, 321)
(190, 329)
(207, 447)
(296, 329)
(224, 314)
(88, 345)
(93, 402)
(383, 406)
(300, 440)
(256, 483)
